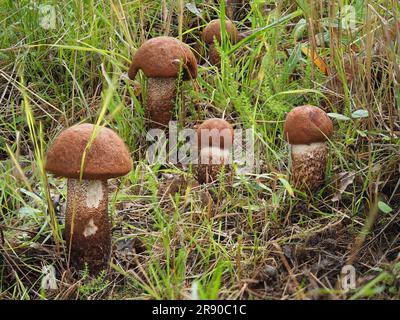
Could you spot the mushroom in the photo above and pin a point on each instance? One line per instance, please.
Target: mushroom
(213, 31)
(306, 129)
(87, 227)
(161, 59)
(215, 140)
(231, 7)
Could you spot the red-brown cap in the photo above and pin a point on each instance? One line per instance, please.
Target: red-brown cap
(307, 124)
(213, 29)
(161, 57)
(107, 157)
(214, 128)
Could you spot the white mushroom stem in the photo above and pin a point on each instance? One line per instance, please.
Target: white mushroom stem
(308, 165)
(87, 227)
(161, 95)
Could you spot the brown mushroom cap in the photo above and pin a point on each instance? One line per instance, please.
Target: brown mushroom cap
(108, 156)
(307, 124)
(226, 137)
(213, 29)
(161, 57)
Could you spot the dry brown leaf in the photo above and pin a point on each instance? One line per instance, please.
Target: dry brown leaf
(343, 180)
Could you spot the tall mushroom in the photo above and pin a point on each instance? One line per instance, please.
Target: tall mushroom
(213, 31)
(161, 59)
(306, 129)
(87, 227)
(215, 140)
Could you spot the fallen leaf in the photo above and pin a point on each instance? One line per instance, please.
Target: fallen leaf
(345, 179)
(193, 9)
(384, 207)
(361, 113)
(287, 186)
(338, 116)
(321, 65)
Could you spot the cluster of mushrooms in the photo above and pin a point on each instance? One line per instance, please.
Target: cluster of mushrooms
(89, 155)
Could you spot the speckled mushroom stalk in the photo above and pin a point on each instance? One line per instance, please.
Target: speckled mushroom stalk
(308, 165)
(215, 140)
(306, 129)
(87, 227)
(162, 59)
(213, 31)
(161, 95)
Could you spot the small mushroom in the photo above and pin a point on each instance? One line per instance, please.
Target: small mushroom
(215, 140)
(231, 7)
(306, 129)
(213, 31)
(87, 227)
(161, 59)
